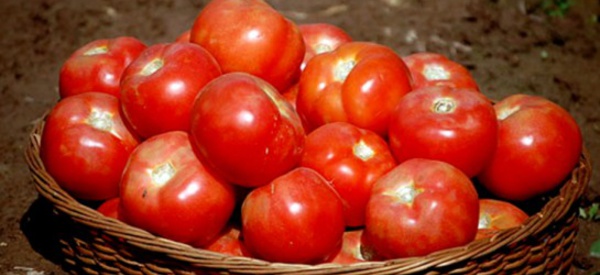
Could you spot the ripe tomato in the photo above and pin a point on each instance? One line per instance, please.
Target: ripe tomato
(350, 251)
(297, 218)
(419, 207)
(110, 208)
(321, 38)
(457, 126)
(433, 69)
(184, 36)
(98, 66)
(158, 89)
(85, 145)
(246, 130)
(291, 95)
(496, 215)
(539, 143)
(351, 159)
(359, 82)
(166, 190)
(250, 36)
(228, 242)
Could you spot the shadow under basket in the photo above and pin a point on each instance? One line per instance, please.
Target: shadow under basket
(94, 244)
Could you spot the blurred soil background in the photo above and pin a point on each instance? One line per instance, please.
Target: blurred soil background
(542, 47)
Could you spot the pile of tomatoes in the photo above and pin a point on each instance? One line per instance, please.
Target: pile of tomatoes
(255, 136)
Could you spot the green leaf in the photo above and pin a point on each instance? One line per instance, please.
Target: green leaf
(593, 212)
(595, 249)
(583, 213)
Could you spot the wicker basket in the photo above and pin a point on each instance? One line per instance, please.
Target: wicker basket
(94, 244)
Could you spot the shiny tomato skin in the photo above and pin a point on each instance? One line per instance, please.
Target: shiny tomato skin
(98, 66)
(158, 89)
(434, 69)
(166, 190)
(250, 36)
(496, 215)
(350, 251)
(229, 242)
(297, 218)
(321, 38)
(184, 36)
(351, 159)
(419, 207)
(85, 145)
(110, 208)
(539, 144)
(457, 126)
(359, 83)
(246, 130)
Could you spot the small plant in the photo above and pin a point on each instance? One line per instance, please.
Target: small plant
(591, 213)
(557, 8)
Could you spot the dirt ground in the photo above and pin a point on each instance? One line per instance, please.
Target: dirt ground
(511, 47)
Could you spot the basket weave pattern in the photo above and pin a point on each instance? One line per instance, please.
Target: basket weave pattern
(94, 244)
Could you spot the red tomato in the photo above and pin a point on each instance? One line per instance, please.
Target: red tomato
(350, 251)
(158, 89)
(98, 66)
(419, 207)
(359, 82)
(250, 36)
(321, 38)
(297, 218)
(85, 145)
(496, 215)
(229, 242)
(166, 190)
(184, 37)
(110, 208)
(291, 94)
(351, 159)
(457, 126)
(539, 143)
(246, 130)
(433, 69)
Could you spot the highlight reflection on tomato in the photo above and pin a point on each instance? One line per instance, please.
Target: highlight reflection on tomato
(539, 143)
(166, 190)
(359, 82)
(85, 145)
(351, 159)
(250, 36)
(297, 218)
(419, 207)
(245, 130)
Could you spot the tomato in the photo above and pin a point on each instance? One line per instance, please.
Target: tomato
(291, 95)
(321, 38)
(98, 66)
(250, 36)
(246, 130)
(110, 208)
(457, 126)
(166, 190)
(433, 69)
(496, 215)
(85, 145)
(352, 159)
(229, 242)
(539, 143)
(184, 36)
(350, 251)
(297, 218)
(419, 207)
(158, 89)
(360, 83)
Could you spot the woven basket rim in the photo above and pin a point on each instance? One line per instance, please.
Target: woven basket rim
(555, 209)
